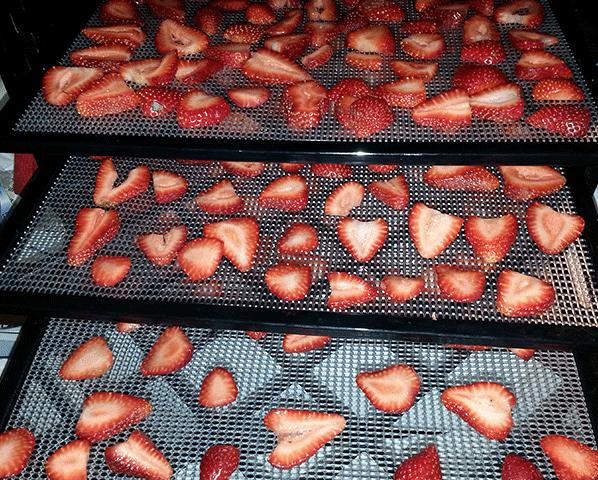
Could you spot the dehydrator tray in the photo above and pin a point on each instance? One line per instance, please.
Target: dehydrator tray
(548, 391)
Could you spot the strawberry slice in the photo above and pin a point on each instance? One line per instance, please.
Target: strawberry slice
(321, 10)
(502, 104)
(392, 390)
(523, 353)
(485, 7)
(344, 198)
(331, 170)
(519, 295)
(352, 86)
(529, 13)
(522, 183)
(406, 93)
(94, 227)
(288, 193)
(288, 24)
(244, 169)
(200, 257)
(424, 464)
(168, 186)
(207, 19)
(538, 64)
(61, 85)
(240, 237)
(218, 389)
(382, 168)
(393, 192)
(557, 89)
(420, 26)
(120, 11)
(300, 434)
(260, 14)
(107, 195)
(318, 57)
(220, 199)
(450, 15)
(293, 343)
(291, 45)
(109, 95)
(484, 52)
(230, 5)
(491, 238)
(564, 119)
(352, 20)
(476, 78)
(167, 9)
(16, 446)
(364, 61)
(469, 178)
(291, 167)
(551, 230)
(372, 39)
(106, 57)
(248, 97)
(150, 71)
(299, 238)
(161, 249)
(385, 11)
(220, 461)
(364, 116)
(449, 110)
(89, 360)
(401, 289)
(485, 406)
(192, 72)
(272, 68)
(132, 36)
(414, 69)
(126, 327)
(347, 290)
(108, 270)
(478, 28)
(304, 104)
(229, 54)
(198, 109)
(320, 33)
(257, 335)
(423, 46)
(288, 282)
(523, 39)
(106, 414)
(362, 239)
(462, 286)
(515, 467)
(158, 101)
(69, 461)
(570, 459)
(171, 352)
(244, 33)
(138, 456)
(431, 230)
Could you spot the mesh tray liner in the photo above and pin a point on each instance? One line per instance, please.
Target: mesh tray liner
(38, 263)
(267, 123)
(547, 387)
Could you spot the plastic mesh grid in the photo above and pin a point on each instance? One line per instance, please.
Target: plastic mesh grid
(38, 263)
(547, 388)
(267, 123)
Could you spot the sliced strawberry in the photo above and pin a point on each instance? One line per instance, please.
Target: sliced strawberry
(304, 104)
(364, 116)
(420, 26)
(300, 434)
(320, 33)
(571, 460)
(218, 389)
(422, 5)
(352, 86)
(431, 230)
(207, 19)
(150, 71)
(158, 101)
(406, 93)
(522, 183)
(126, 327)
(515, 467)
(106, 414)
(167, 9)
(257, 335)
(89, 360)
(132, 36)
(198, 109)
(491, 238)
(331, 170)
(523, 39)
(240, 237)
(288, 193)
(288, 24)
(538, 64)
(220, 199)
(485, 406)
(485, 7)
(362, 239)
(289, 282)
(523, 353)
(478, 28)
(249, 97)
(180, 38)
(502, 104)
(244, 169)
(401, 289)
(372, 39)
(293, 343)
(107, 195)
(450, 15)
(220, 461)
(475, 78)
(244, 33)
(106, 57)
(423, 46)
(484, 52)
(138, 456)
(460, 285)
(529, 13)
(109, 95)
(352, 20)
(291, 45)
(392, 390)
(168, 186)
(318, 57)
(171, 352)
(557, 89)
(364, 61)
(414, 69)
(291, 167)
(321, 10)
(230, 5)
(552, 231)
(108, 270)
(16, 446)
(424, 464)
(470, 178)
(199, 258)
(519, 295)
(564, 119)
(162, 249)
(344, 198)
(393, 192)
(272, 68)
(382, 168)
(120, 11)
(347, 290)
(61, 85)
(260, 14)
(385, 11)
(192, 72)
(94, 227)
(448, 111)
(299, 238)
(69, 462)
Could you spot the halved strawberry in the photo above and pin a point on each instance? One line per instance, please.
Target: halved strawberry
(344, 198)
(304, 104)
(564, 119)
(94, 227)
(207, 19)
(291, 45)
(557, 89)
(526, 182)
(491, 238)
(364, 116)
(289, 282)
(431, 230)
(475, 78)
(362, 239)
(392, 390)
(193, 72)
(138, 456)
(519, 295)
(105, 414)
(167, 9)
(484, 52)
(120, 11)
(393, 192)
(162, 249)
(299, 238)
(220, 199)
(220, 461)
(109, 95)
(331, 170)
(16, 446)
(150, 71)
(260, 14)
(538, 64)
(288, 193)
(318, 57)
(218, 389)
(478, 28)
(523, 39)
(106, 57)
(199, 258)
(230, 5)
(485, 406)
(470, 178)
(406, 93)
(571, 460)
(320, 33)
(401, 289)
(108, 270)
(198, 109)
(240, 237)
(257, 335)
(272, 68)
(293, 343)
(420, 26)
(244, 33)
(424, 464)
(249, 97)
(168, 186)
(414, 69)
(552, 231)
(171, 352)
(372, 39)
(515, 467)
(321, 10)
(458, 284)
(347, 290)
(423, 46)
(529, 13)
(107, 195)
(89, 360)
(288, 24)
(364, 61)
(300, 434)
(244, 169)
(129, 35)
(502, 104)
(448, 111)
(352, 86)
(158, 101)
(69, 462)
(61, 85)
(352, 20)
